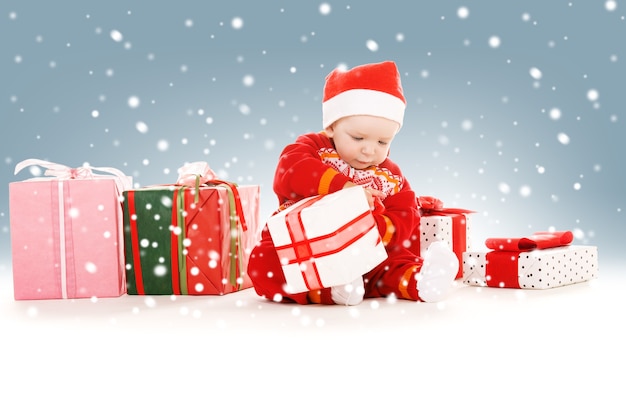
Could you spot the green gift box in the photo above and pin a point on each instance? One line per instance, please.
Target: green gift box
(186, 240)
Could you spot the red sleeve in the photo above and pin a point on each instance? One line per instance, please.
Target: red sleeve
(399, 217)
(301, 173)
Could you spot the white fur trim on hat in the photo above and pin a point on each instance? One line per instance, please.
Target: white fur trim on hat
(362, 102)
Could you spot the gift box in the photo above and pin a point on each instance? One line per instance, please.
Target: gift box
(66, 232)
(190, 239)
(326, 240)
(532, 269)
(451, 225)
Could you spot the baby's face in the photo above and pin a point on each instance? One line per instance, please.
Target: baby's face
(363, 141)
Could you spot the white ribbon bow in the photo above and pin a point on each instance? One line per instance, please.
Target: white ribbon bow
(196, 172)
(62, 172)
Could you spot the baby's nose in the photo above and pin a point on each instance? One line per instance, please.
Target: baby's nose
(367, 148)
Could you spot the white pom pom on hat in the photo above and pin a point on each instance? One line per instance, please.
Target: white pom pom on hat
(370, 89)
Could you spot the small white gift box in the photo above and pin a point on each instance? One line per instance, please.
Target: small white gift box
(537, 269)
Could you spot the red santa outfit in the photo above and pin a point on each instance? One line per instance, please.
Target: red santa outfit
(311, 166)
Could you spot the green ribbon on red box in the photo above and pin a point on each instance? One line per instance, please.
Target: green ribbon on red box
(199, 173)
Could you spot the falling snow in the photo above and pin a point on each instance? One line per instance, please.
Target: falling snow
(515, 113)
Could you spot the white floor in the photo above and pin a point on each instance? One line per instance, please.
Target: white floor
(480, 348)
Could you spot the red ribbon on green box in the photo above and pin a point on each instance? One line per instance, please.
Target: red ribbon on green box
(176, 239)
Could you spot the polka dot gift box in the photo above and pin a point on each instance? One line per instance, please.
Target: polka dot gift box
(541, 261)
(437, 223)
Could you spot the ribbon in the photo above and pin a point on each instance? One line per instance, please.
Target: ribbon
(303, 250)
(502, 270)
(539, 240)
(194, 174)
(179, 280)
(199, 173)
(433, 206)
(62, 172)
(62, 250)
(134, 243)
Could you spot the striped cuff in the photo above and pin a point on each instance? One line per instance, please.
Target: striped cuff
(326, 180)
(389, 230)
(408, 286)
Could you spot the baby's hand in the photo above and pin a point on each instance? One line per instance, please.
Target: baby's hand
(374, 197)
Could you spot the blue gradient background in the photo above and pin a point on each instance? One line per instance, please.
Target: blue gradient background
(475, 119)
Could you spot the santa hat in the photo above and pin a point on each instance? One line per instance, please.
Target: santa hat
(371, 89)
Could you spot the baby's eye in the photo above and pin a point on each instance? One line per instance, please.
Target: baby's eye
(358, 139)
(383, 143)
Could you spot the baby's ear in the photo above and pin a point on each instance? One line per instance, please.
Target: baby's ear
(330, 131)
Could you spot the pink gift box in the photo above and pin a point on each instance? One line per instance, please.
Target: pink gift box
(66, 238)
(329, 240)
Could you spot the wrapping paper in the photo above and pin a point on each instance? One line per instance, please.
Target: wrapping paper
(66, 232)
(437, 223)
(328, 240)
(535, 269)
(186, 240)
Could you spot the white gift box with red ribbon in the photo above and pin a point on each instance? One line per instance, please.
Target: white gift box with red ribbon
(536, 269)
(328, 240)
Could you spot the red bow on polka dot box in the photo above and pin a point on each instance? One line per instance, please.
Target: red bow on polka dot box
(541, 261)
(437, 223)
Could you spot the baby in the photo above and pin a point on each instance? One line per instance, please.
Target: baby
(362, 111)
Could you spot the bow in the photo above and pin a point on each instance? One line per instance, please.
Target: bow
(428, 205)
(62, 172)
(199, 173)
(194, 174)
